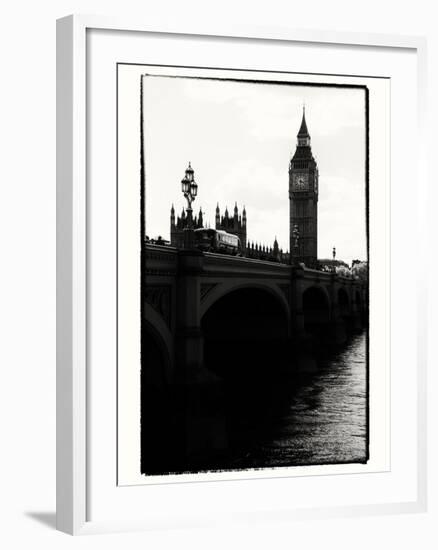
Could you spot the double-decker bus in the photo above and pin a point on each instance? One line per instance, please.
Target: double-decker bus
(215, 240)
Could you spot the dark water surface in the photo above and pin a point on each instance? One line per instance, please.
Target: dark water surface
(317, 418)
(266, 417)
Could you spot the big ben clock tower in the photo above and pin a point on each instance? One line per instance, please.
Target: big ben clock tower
(303, 200)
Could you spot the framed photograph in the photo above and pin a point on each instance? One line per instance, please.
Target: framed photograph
(235, 338)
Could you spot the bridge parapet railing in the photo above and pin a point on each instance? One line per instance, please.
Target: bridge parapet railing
(328, 276)
(240, 266)
(309, 273)
(349, 280)
(161, 259)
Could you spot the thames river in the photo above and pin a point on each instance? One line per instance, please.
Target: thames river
(317, 418)
(276, 418)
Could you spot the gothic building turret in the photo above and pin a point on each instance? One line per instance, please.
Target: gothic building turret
(177, 226)
(235, 225)
(303, 200)
(172, 217)
(276, 250)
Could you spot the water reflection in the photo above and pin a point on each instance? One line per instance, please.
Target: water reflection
(314, 419)
(262, 418)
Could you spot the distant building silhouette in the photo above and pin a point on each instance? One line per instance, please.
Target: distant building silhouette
(235, 224)
(178, 224)
(273, 253)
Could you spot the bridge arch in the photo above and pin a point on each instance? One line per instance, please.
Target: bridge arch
(156, 413)
(156, 358)
(246, 332)
(157, 333)
(316, 309)
(222, 289)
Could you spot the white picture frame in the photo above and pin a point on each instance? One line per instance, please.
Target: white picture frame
(74, 340)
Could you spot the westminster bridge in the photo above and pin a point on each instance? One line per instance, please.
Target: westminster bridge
(201, 309)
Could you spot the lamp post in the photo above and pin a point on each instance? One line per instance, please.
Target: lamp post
(190, 189)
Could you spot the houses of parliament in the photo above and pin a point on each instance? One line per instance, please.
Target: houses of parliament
(235, 224)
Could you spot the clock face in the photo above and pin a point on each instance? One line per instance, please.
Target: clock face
(300, 182)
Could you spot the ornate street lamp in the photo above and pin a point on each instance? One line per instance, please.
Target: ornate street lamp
(190, 189)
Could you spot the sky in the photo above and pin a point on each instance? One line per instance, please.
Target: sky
(239, 138)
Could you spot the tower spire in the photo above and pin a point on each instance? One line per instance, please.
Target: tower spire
(200, 218)
(217, 217)
(303, 132)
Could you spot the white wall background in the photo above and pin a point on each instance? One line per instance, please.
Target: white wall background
(27, 301)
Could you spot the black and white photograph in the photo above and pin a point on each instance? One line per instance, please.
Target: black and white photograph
(254, 273)
(249, 292)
